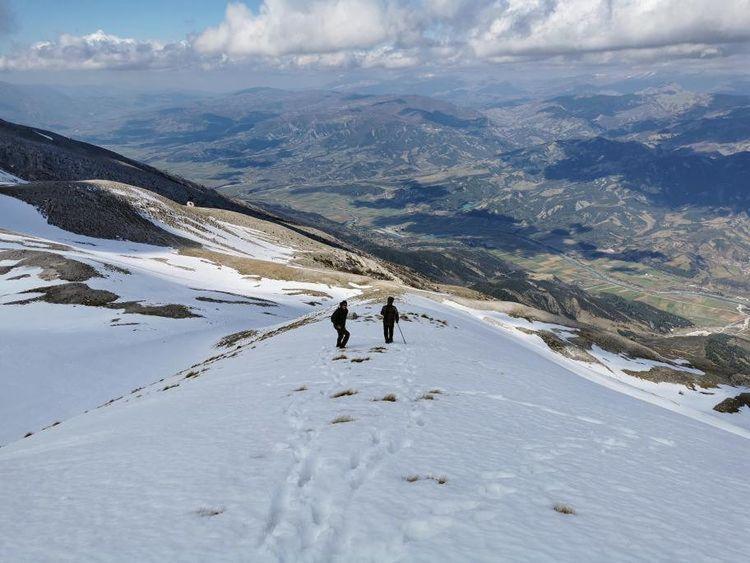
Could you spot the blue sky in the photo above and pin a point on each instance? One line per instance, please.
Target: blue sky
(169, 20)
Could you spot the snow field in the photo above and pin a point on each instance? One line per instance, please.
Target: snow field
(59, 360)
(241, 463)
(6, 178)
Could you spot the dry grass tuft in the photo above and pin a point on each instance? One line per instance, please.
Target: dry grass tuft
(233, 339)
(427, 397)
(360, 360)
(344, 393)
(207, 512)
(168, 387)
(436, 392)
(340, 419)
(341, 357)
(28, 434)
(390, 397)
(563, 508)
(439, 479)
(301, 388)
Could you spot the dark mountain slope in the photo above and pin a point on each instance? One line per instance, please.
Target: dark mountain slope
(38, 155)
(669, 177)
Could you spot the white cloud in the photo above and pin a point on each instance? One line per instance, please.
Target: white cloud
(404, 33)
(98, 51)
(561, 27)
(299, 27)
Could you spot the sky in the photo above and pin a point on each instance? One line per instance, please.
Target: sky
(213, 44)
(171, 20)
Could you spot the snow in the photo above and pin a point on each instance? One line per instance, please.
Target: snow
(214, 234)
(512, 432)
(201, 453)
(95, 358)
(43, 135)
(697, 403)
(6, 179)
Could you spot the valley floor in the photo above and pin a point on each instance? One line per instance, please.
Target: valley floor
(254, 458)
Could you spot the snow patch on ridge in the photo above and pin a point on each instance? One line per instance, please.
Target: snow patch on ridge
(8, 179)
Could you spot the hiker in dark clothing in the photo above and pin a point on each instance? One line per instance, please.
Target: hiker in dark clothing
(390, 317)
(339, 323)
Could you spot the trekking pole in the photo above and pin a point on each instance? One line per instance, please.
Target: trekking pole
(401, 331)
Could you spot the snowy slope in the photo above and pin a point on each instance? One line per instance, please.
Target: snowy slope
(151, 441)
(241, 461)
(608, 369)
(59, 360)
(8, 179)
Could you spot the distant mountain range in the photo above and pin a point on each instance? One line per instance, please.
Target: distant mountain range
(639, 194)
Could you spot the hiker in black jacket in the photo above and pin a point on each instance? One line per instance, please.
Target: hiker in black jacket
(339, 323)
(390, 317)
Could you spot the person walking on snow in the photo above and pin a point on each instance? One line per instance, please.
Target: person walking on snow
(390, 317)
(339, 323)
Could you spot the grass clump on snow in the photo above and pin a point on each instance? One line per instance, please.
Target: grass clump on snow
(342, 419)
(207, 512)
(439, 479)
(563, 508)
(390, 397)
(344, 393)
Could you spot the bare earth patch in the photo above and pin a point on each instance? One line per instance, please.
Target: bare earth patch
(70, 294)
(734, 404)
(54, 266)
(230, 302)
(661, 374)
(81, 294)
(307, 292)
